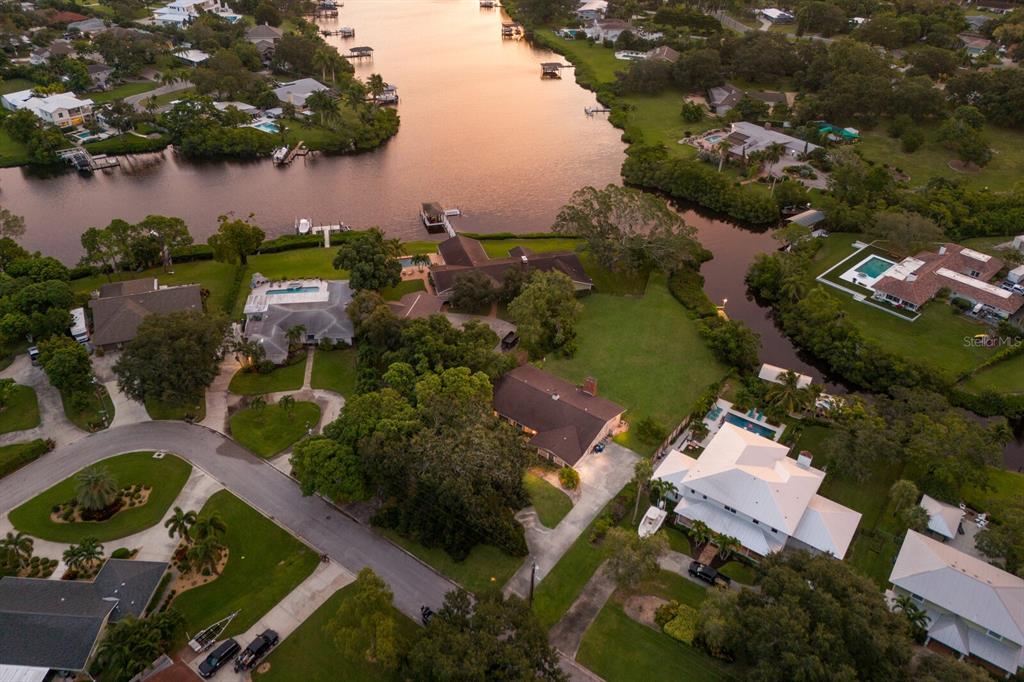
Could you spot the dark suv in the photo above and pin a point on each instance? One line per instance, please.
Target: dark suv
(708, 574)
(216, 660)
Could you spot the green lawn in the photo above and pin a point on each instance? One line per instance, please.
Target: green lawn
(645, 353)
(402, 288)
(677, 540)
(932, 159)
(95, 413)
(335, 371)
(169, 97)
(594, 62)
(1003, 377)
(1007, 489)
(122, 91)
(499, 248)
(194, 411)
(656, 119)
(22, 410)
(668, 585)
(8, 86)
(620, 649)
(271, 429)
(551, 503)
(265, 563)
(316, 262)
(740, 572)
(311, 654)
(944, 351)
(166, 476)
(287, 378)
(486, 567)
(127, 143)
(12, 152)
(17, 455)
(211, 275)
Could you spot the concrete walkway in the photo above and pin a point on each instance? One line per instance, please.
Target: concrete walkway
(289, 613)
(567, 633)
(53, 424)
(218, 397)
(602, 476)
(126, 410)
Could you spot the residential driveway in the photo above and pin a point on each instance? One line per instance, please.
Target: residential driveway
(126, 410)
(311, 519)
(53, 424)
(679, 563)
(602, 476)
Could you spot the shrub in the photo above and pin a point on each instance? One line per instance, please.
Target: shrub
(649, 431)
(665, 613)
(620, 506)
(961, 304)
(684, 625)
(601, 528)
(121, 553)
(569, 478)
(911, 140)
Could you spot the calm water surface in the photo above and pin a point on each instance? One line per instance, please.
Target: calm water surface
(480, 132)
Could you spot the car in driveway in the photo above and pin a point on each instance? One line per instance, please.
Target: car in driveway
(256, 650)
(220, 656)
(707, 574)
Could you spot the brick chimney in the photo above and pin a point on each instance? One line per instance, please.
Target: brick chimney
(589, 386)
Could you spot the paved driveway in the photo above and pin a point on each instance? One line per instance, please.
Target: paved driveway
(319, 524)
(53, 424)
(602, 476)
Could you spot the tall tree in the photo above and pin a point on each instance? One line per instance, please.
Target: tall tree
(364, 626)
(235, 240)
(371, 260)
(631, 558)
(130, 645)
(67, 364)
(171, 233)
(491, 638)
(328, 467)
(95, 488)
(12, 225)
(906, 232)
(545, 313)
(180, 524)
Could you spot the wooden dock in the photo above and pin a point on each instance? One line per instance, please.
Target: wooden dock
(298, 150)
(359, 53)
(80, 159)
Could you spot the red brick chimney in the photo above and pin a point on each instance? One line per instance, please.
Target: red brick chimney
(590, 386)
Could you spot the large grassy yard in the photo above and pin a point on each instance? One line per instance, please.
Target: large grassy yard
(166, 476)
(270, 429)
(217, 277)
(265, 563)
(22, 410)
(1007, 489)
(335, 371)
(486, 567)
(311, 654)
(645, 352)
(287, 378)
(122, 91)
(550, 503)
(194, 410)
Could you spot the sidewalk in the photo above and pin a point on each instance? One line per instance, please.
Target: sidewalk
(567, 633)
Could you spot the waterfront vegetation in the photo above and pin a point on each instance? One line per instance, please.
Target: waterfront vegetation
(312, 654)
(550, 503)
(21, 410)
(335, 371)
(165, 477)
(265, 563)
(269, 429)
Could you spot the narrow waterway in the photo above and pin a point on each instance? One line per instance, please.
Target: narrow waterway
(480, 131)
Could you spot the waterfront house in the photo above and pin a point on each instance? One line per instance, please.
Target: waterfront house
(56, 625)
(256, 34)
(808, 218)
(608, 29)
(316, 305)
(592, 10)
(722, 98)
(99, 76)
(462, 254)
(963, 272)
(662, 53)
(63, 110)
(745, 486)
(295, 92)
(746, 138)
(975, 610)
(120, 307)
(564, 421)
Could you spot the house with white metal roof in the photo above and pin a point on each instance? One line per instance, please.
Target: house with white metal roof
(63, 110)
(943, 519)
(974, 608)
(746, 486)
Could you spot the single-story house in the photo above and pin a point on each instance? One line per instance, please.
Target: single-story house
(295, 92)
(240, 106)
(120, 307)
(192, 57)
(462, 254)
(592, 10)
(745, 138)
(777, 16)
(317, 305)
(53, 51)
(565, 421)
(723, 98)
(745, 486)
(256, 34)
(975, 610)
(808, 218)
(89, 27)
(943, 519)
(975, 45)
(663, 53)
(57, 624)
(964, 272)
(608, 29)
(63, 110)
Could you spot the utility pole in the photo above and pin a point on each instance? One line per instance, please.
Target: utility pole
(533, 580)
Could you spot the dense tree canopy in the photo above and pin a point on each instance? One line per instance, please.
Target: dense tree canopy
(235, 240)
(545, 313)
(371, 260)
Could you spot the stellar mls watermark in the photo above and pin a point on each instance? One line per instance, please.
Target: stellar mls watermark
(983, 341)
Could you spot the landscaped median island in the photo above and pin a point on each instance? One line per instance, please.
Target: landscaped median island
(19, 407)
(264, 564)
(269, 429)
(163, 476)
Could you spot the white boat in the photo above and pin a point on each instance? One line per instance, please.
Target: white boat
(280, 154)
(346, 32)
(303, 225)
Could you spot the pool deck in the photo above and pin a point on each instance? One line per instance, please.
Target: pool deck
(723, 408)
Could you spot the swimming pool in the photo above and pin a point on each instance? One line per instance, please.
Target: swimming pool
(874, 267)
(713, 139)
(267, 127)
(293, 290)
(760, 430)
(406, 261)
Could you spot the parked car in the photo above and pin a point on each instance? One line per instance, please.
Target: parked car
(33, 355)
(708, 574)
(216, 660)
(426, 613)
(256, 650)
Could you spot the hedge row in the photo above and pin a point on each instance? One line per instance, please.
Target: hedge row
(13, 457)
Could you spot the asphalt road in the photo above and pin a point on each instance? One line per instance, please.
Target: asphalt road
(322, 526)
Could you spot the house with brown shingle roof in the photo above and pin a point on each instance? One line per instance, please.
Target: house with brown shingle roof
(564, 421)
(964, 272)
(121, 306)
(462, 255)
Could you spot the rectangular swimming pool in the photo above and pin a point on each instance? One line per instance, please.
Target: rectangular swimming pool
(874, 266)
(406, 262)
(295, 290)
(267, 127)
(753, 427)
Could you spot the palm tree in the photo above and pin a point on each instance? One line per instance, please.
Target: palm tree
(642, 477)
(208, 526)
(96, 488)
(723, 148)
(324, 105)
(287, 403)
(917, 616)
(421, 260)
(180, 523)
(375, 83)
(294, 334)
(661, 489)
(85, 554)
(19, 546)
(700, 533)
(205, 554)
(322, 60)
(726, 546)
(787, 394)
(772, 154)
